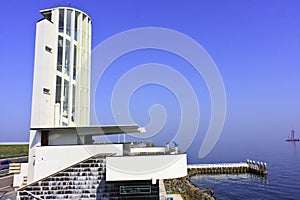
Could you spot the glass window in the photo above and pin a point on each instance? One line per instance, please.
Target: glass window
(48, 49)
(46, 91)
(67, 58)
(66, 99)
(73, 102)
(74, 62)
(59, 53)
(61, 21)
(68, 29)
(58, 90)
(76, 25)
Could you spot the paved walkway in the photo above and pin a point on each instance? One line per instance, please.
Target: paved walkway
(175, 196)
(6, 189)
(8, 196)
(163, 194)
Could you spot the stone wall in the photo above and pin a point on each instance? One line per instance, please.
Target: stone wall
(184, 186)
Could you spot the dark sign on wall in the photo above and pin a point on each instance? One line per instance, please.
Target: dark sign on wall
(135, 189)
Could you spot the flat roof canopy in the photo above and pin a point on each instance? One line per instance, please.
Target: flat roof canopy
(94, 130)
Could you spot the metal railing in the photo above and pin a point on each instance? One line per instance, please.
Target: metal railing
(29, 193)
(221, 165)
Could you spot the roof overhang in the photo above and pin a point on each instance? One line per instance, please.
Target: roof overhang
(43, 11)
(94, 130)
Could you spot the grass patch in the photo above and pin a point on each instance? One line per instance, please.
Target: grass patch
(12, 149)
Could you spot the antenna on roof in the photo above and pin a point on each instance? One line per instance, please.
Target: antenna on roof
(68, 4)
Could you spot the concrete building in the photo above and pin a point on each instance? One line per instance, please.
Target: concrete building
(61, 95)
(62, 151)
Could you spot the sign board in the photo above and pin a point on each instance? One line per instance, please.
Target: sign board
(135, 189)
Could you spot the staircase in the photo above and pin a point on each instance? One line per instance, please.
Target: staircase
(24, 183)
(79, 181)
(86, 180)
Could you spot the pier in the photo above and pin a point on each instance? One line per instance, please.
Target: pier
(258, 168)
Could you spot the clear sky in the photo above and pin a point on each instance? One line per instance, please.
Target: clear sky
(255, 45)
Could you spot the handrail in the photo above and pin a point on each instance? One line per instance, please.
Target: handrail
(218, 165)
(94, 156)
(34, 196)
(14, 156)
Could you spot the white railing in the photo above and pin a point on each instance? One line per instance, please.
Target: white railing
(29, 194)
(220, 165)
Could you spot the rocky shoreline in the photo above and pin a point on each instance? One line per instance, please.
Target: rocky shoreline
(184, 186)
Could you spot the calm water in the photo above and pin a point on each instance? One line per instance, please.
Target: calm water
(283, 164)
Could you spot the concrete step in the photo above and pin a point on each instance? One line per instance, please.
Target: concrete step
(79, 181)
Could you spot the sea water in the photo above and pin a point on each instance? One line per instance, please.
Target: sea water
(283, 164)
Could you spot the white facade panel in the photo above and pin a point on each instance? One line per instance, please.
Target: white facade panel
(42, 114)
(19, 178)
(34, 141)
(51, 159)
(147, 167)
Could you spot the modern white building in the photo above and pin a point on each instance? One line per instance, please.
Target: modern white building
(61, 139)
(61, 95)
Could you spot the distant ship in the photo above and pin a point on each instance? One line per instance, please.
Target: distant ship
(292, 137)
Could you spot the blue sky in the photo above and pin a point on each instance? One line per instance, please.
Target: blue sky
(255, 45)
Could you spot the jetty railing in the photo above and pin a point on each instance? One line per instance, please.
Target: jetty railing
(218, 165)
(250, 166)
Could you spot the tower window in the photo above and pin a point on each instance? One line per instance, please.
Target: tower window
(48, 49)
(68, 29)
(67, 58)
(61, 21)
(73, 102)
(74, 62)
(66, 99)
(59, 53)
(58, 90)
(76, 25)
(46, 91)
